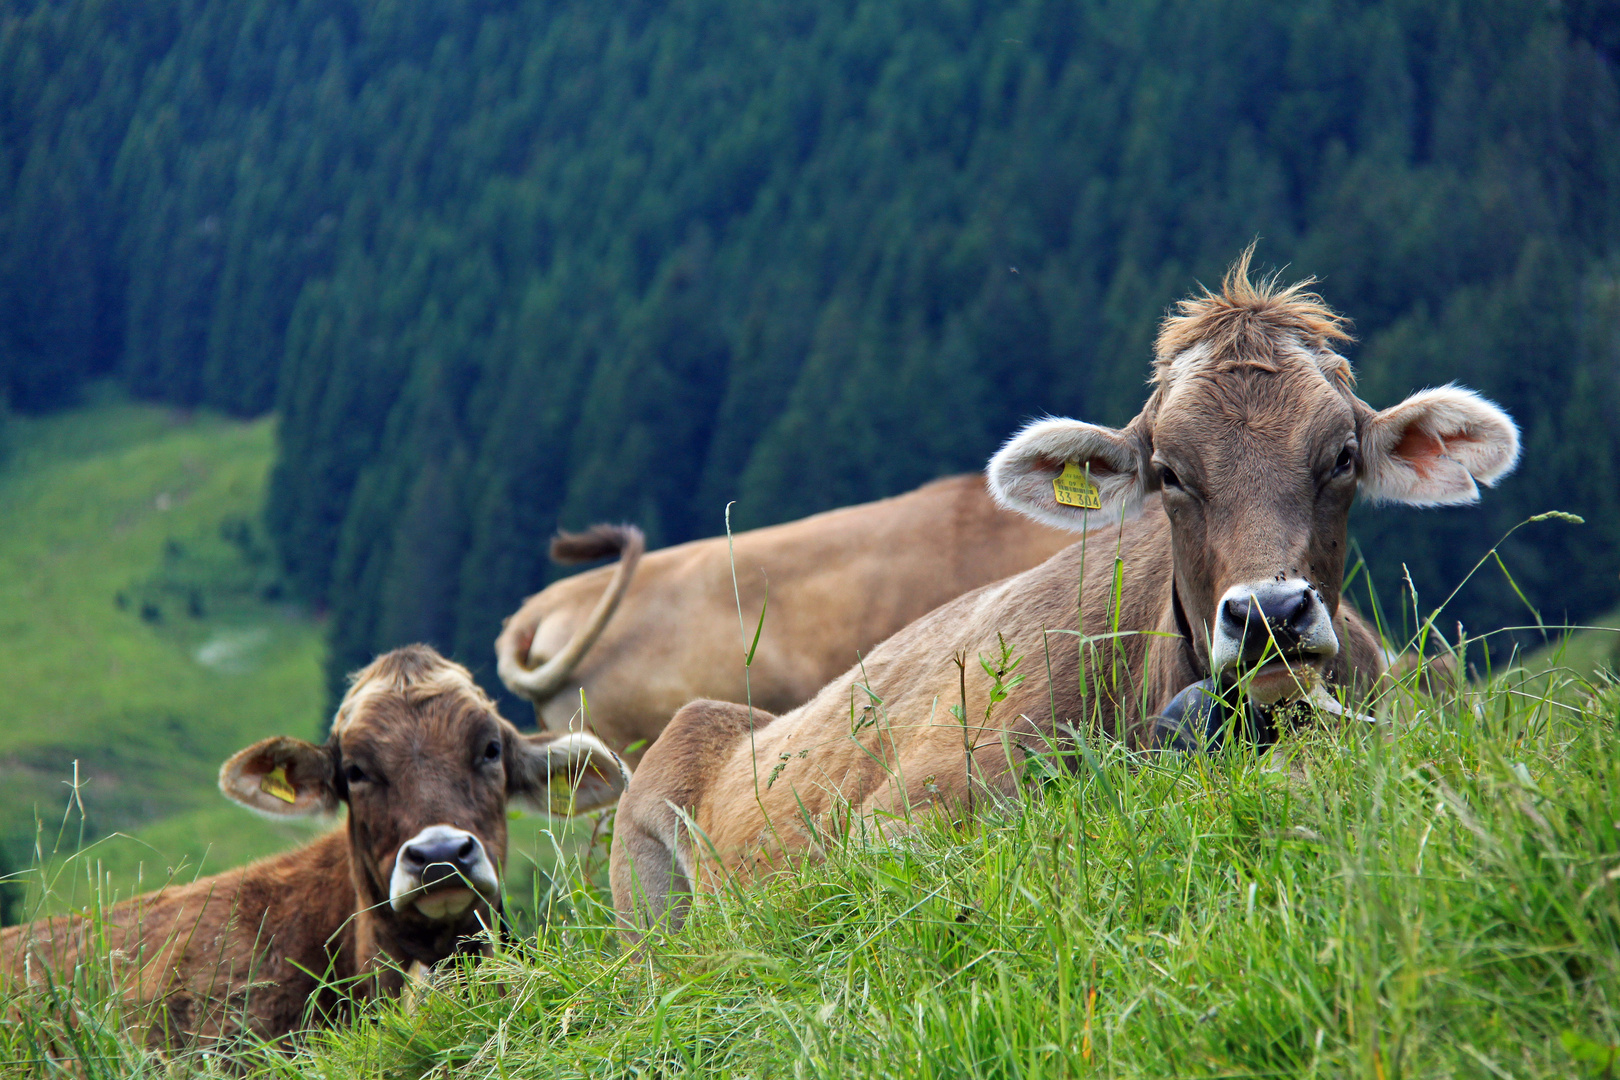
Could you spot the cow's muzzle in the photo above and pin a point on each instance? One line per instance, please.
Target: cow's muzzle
(441, 871)
(1275, 635)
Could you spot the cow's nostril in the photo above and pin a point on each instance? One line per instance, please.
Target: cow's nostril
(1235, 613)
(1299, 610)
(466, 850)
(414, 855)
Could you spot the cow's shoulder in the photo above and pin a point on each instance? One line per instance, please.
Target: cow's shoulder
(698, 741)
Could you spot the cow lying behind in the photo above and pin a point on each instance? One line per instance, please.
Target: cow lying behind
(1234, 483)
(426, 767)
(838, 583)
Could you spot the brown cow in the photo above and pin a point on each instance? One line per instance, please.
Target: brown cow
(1234, 485)
(838, 583)
(426, 767)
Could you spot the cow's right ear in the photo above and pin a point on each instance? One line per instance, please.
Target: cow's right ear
(1107, 477)
(280, 777)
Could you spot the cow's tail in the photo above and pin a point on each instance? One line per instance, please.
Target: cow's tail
(598, 542)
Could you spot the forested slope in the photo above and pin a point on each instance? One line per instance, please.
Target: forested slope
(504, 266)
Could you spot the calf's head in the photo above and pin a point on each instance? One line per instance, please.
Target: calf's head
(1257, 443)
(427, 767)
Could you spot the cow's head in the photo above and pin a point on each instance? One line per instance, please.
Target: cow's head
(426, 766)
(1255, 438)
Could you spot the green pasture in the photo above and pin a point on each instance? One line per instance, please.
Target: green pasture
(145, 640)
(1435, 896)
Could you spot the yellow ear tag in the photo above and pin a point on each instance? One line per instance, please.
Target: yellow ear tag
(275, 783)
(1072, 487)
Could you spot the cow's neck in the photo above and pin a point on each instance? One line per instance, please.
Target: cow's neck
(308, 905)
(1183, 628)
(1173, 658)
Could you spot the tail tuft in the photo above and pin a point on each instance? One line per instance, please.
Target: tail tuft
(596, 542)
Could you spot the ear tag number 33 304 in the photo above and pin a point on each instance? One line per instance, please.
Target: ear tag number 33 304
(1072, 487)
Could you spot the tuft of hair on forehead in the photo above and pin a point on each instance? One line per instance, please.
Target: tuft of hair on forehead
(416, 673)
(1248, 323)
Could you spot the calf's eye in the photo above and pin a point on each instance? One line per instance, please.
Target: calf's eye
(492, 752)
(1345, 461)
(1168, 477)
(354, 774)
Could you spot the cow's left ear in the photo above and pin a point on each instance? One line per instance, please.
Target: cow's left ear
(563, 774)
(1431, 448)
(280, 777)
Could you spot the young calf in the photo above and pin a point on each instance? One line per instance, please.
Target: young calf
(427, 768)
(1234, 483)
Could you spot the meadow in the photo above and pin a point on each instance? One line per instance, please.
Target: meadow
(1433, 895)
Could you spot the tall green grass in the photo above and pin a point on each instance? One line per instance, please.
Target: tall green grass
(1435, 896)
(1439, 897)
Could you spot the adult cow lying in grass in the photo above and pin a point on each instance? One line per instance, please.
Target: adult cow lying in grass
(1234, 485)
(426, 767)
(838, 583)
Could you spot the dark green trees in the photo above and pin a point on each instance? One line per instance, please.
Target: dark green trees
(504, 266)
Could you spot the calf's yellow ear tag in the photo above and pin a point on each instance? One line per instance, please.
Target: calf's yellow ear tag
(275, 783)
(1072, 487)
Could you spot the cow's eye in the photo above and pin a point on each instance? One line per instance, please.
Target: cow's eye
(354, 774)
(492, 752)
(1344, 463)
(1168, 477)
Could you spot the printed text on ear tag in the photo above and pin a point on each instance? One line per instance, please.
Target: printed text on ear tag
(275, 783)
(1072, 487)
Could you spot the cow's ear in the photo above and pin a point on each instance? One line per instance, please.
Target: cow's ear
(1106, 477)
(1432, 448)
(280, 777)
(563, 774)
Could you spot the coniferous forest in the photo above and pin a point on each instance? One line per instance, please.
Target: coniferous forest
(505, 265)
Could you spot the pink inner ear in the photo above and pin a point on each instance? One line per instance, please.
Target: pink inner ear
(1419, 449)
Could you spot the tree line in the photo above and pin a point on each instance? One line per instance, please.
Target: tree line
(505, 265)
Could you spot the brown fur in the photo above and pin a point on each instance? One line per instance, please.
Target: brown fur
(596, 542)
(258, 949)
(1254, 413)
(1246, 321)
(838, 583)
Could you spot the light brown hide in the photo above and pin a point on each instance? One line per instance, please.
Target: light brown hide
(909, 754)
(1241, 468)
(838, 583)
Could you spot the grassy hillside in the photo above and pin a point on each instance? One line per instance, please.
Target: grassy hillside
(145, 637)
(1438, 897)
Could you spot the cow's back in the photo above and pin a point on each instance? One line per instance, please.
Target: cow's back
(203, 961)
(854, 577)
(837, 583)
